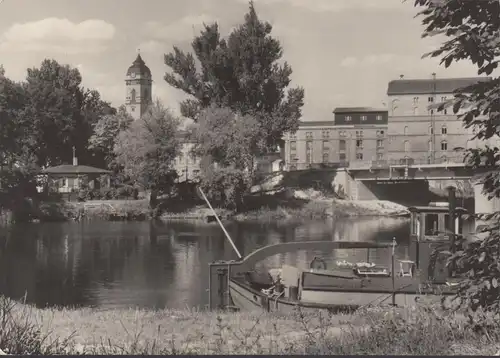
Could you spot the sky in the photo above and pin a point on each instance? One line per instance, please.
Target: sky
(343, 52)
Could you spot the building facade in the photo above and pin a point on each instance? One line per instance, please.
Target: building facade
(139, 94)
(353, 135)
(418, 131)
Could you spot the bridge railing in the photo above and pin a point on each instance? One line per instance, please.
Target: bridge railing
(359, 164)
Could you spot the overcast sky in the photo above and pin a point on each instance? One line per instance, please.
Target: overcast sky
(343, 52)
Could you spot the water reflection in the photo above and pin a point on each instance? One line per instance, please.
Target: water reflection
(157, 265)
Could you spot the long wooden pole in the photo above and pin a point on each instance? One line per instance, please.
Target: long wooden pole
(220, 223)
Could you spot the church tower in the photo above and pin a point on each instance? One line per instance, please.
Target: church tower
(139, 84)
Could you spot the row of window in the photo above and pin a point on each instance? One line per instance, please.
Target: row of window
(444, 130)
(363, 118)
(326, 134)
(444, 146)
(326, 144)
(327, 158)
(430, 99)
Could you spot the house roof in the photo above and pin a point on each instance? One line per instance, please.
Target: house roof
(426, 86)
(357, 110)
(74, 169)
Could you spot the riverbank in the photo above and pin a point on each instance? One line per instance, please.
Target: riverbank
(422, 331)
(284, 206)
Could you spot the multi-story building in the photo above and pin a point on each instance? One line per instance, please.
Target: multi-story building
(354, 134)
(420, 132)
(138, 83)
(361, 134)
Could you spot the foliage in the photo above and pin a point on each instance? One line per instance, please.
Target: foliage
(227, 138)
(242, 73)
(120, 192)
(105, 132)
(226, 143)
(148, 148)
(226, 187)
(59, 113)
(472, 32)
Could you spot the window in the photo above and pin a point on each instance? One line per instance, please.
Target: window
(293, 145)
(342, 134)
(415, 111)
(326, 146)
(380, 143)
(196, 172)
(443, 99)
(359, 156)
(445, 111)
(407, 146)
(431, 224)
(430, 146)
(309, 135)
(146, 93)
(132, 95)
(180, 158)
(363, 118)
(415, 100)
(326, 158)
(348, 118)
(444, 159)
(405, 130)
(379, 117)
(380, 133)
(132, 108)
(444, 130)
(342, 157)
(431, 130)
(430, 99)
(380, 156)
(359, 133)
(293, 136)
(325, 134)
(359, 143)
(309, 151)
(342, 145)
(444, 145)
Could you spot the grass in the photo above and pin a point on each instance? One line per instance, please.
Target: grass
(423, 331)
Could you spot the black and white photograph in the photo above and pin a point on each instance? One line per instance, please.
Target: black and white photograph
(250, 177)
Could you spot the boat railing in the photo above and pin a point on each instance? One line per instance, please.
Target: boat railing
(248, 262)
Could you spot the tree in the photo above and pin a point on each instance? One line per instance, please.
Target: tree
(59, 113)
(105, 133)
(472, 29)
(241, 73)
(228, 140)
(148, 148)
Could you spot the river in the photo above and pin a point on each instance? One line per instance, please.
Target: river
(157, 265)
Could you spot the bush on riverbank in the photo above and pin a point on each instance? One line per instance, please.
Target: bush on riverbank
(25, 329)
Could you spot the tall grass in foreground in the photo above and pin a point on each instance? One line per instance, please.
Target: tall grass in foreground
(28, 330)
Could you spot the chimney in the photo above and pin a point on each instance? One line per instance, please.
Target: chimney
(75, 159)
(434, 76)
(401, 77)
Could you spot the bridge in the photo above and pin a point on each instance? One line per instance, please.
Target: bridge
(402, 179)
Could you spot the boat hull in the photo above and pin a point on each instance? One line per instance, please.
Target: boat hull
(246, 298)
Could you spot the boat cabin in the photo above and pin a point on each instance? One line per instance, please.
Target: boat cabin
(433, 222)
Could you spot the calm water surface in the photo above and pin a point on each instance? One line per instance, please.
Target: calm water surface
(158, 265)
